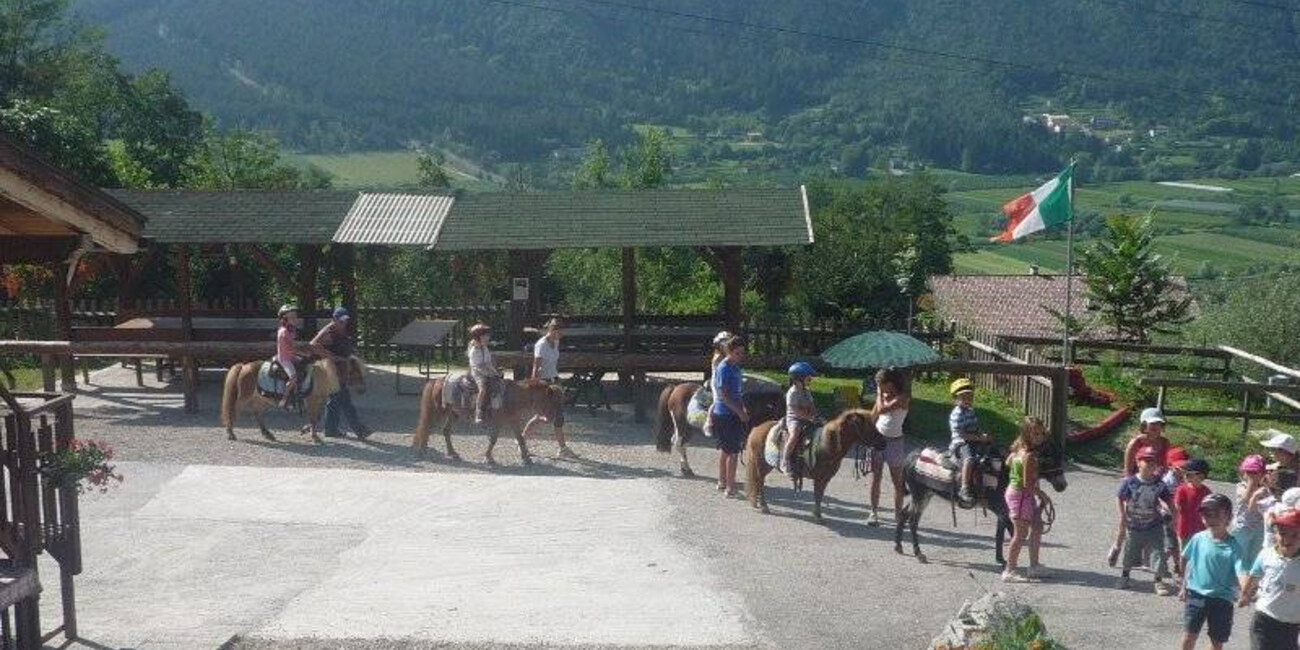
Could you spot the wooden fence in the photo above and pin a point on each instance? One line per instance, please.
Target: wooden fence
(1032, 393)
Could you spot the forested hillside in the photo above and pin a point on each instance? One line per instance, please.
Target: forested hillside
(524, 80)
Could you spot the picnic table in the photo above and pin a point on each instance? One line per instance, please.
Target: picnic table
(422, 337)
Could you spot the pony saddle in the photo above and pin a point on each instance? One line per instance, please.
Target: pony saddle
(697, 410)
(460, 390)
(805, 449)
(940, 471)
(272, 379)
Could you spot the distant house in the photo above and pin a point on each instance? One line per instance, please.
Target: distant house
(1057, 123)
(754, 136)
(1015, 305)
(1103, 122)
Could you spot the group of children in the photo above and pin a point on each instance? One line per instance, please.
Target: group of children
(1225, 551)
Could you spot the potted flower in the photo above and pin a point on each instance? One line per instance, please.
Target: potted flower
(84, 464)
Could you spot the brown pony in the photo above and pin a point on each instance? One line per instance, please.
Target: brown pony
(672, 431)
(851, 426)
(240, 393)
(519, 400)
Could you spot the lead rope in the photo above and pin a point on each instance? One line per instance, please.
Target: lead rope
(1047, 514)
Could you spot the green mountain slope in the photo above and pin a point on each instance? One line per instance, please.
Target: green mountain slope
(520, 82)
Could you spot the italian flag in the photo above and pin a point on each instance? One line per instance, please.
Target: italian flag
(1050, 205)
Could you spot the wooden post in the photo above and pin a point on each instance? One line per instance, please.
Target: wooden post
(308, 265)
(1160, 398)
(629, 319)
(49, 365)
(733, 284)
(1060, 409)
(345, 267)
(189, 366)
(1245, 413)
(63, 325)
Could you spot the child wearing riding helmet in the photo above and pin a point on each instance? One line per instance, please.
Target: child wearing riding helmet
(965, 429)
(285, 354)
(1274, 586)
(481, 368)
(1024, 498)
(800, 411)
(1247, 521)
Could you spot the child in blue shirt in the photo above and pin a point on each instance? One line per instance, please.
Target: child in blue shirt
(1212, 564)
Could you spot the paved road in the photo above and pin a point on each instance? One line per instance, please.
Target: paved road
(357, 545)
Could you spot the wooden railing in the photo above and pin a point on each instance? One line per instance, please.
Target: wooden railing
(43, 514)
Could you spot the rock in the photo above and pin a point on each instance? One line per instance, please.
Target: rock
(975, 619)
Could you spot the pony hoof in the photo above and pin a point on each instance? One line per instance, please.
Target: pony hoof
(898, 550)
(265, 434)
(453, 456)
(920, 557)
(231, 436)
(491, 462)
(764, 509)
(526, 461)
(687, 472)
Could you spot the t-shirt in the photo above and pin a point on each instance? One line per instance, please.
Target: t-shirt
(547, 355)
(332, 338)
(1187, 505)
(1142, 502)
(1213, 565)
(1244, 516)
(480, 362)
(1279, 585)
(284, 350)
(962, 421)
(1264, 506)
(890, 423)
(727, 380)
(1161, 445)
(797, 398)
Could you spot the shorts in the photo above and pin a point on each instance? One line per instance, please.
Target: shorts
(962, 452)
(1138, 543)
(1021, 505)
(1268, 633)
(1201, 609)
(729, 432)
(894, 453)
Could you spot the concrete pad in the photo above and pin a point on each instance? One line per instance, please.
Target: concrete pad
(350, 554)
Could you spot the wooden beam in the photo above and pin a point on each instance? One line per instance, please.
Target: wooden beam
(1118, 346)
(266, 261)
(38, 200)
(308, 265)
(733, 285)
(173, 349)
(189, 367)
(1251, 386)
(345, 271)
(1261, 361)
(63, 324)
(1274, 395)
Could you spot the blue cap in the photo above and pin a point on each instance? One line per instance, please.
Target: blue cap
(341, 313)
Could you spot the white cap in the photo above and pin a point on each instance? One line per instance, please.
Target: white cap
(1152, 414)
(1279, 440)
(1290, 499)
(721, 337)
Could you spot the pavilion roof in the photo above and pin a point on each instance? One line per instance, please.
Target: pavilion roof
(240, 217)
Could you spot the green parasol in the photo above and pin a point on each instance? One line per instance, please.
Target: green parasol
(878, 350)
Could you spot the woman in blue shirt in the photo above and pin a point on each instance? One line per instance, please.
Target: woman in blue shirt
(729, 414)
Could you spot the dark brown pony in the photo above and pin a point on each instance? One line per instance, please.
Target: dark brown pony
(853, 426)
(520, 400)
(672, 431)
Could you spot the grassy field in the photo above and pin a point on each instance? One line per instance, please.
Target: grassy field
(382, 169)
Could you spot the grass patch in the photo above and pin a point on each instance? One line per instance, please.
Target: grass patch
(29, 379)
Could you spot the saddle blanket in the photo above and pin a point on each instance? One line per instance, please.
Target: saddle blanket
(459, 391)
(697, 410)
(272, 386)
(939, 467)
(776, 439)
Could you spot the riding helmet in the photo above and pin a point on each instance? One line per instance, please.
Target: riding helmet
(285, 309)
(961, 386)
(721, 337)
(802, 369)
(479, 328)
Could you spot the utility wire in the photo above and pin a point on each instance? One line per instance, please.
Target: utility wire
(906, 49)
(1282, 29)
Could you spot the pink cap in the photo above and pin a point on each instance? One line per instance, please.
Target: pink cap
(1252, 464)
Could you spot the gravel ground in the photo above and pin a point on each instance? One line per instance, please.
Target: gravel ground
(803, 585)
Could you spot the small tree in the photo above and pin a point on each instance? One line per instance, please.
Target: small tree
(430, 173)
(1130, 284)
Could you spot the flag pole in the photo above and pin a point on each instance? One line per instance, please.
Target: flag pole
(1069, 275)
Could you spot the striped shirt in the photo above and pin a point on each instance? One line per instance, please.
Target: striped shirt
(962, 421)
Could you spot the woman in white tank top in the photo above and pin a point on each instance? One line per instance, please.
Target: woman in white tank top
(892, 401)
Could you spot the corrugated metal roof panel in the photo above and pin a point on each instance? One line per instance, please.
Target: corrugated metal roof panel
(394, 220)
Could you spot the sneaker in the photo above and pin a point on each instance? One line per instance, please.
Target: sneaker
(1162, 589)
(721, 487)
(964, 494)
(1012, 576)
(1113, 556)
(1123, 583)
(873, 520)
(478, 419)
(565, 452)
(363, 433)
(1037, 572)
